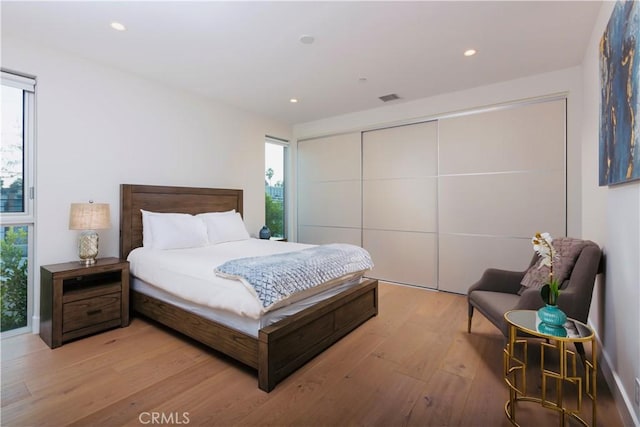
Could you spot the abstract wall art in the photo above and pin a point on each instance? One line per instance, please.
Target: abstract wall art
(619, 149)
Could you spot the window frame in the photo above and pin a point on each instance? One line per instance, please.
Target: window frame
(27, 85)
(285, 176)
(26, 218)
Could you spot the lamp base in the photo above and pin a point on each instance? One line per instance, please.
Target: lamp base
(88, 247)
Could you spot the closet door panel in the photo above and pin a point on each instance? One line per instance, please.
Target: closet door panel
(526, 137)
(401, 152)
(402, 257)
(502, 178)
(385, 204)
(325, 235)
(399, 169)
(463, 259)
(332, 158)
(333, 203)
(329, 190)
(514, 205)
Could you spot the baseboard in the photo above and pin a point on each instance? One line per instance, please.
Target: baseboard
(624, 403)
(35, 324)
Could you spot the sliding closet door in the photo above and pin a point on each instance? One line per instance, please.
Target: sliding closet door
(329, 190)
(399, 199)
(502, 178)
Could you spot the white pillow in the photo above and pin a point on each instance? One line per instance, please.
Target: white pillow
(214, 214)
(224, 226)
(209, 219)
(147, 238)
(173, 231)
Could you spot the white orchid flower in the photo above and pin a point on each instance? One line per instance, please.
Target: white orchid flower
(543, 247)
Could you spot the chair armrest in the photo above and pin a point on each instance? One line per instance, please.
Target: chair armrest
(498, 281)
(530, 300)
(575, 303)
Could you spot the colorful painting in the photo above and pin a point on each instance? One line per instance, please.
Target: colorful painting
(619, 115)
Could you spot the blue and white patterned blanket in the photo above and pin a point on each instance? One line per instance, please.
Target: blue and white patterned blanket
(276, 277)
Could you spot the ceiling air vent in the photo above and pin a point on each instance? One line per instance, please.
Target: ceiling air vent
(390, 97)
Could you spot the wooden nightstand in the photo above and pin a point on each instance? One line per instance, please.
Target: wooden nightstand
(78, 300)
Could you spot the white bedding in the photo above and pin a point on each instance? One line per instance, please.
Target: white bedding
(189, 273)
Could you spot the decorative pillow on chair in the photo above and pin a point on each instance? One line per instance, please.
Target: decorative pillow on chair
(568, 250)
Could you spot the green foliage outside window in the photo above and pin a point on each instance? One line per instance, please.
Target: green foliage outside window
(275, 216)
(13, 279)
(11, 197)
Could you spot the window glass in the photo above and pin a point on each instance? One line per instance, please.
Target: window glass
(14, 277)
(274, 186)
(12, 151)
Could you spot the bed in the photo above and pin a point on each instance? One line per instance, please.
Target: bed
(280, 348)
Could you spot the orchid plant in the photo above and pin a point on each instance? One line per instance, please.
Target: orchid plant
(542, 246)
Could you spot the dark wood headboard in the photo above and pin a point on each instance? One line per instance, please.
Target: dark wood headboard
(167, 199)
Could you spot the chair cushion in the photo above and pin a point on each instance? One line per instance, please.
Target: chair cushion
(493, 305)
(568, 250)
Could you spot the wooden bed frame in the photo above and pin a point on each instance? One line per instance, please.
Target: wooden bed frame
(280, 348)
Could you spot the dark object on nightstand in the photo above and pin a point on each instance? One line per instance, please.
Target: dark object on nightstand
(78, 300)
(265, 233)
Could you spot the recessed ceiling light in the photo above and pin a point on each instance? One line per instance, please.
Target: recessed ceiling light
(293, 100)
(118, 26)
(306, 39)
(470, 52)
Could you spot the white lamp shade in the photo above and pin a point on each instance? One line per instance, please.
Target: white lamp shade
(89, 216)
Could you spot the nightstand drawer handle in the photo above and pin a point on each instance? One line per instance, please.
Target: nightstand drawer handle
(93, 312)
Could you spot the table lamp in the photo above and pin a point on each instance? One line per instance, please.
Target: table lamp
(89, 217)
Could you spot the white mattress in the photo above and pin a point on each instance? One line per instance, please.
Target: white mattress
(243, 324)
(189, 274)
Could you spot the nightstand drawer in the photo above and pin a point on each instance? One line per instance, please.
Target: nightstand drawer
(90, 311)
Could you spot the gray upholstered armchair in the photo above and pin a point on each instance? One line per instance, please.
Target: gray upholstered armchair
(497, 290)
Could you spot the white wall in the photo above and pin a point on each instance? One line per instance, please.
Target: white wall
(98, 127)
(611, 217)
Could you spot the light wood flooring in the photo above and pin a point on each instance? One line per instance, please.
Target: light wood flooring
(414, 364)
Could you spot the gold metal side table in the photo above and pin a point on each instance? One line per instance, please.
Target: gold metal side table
(564, 372)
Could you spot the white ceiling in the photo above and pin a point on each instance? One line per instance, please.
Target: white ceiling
(248, 54)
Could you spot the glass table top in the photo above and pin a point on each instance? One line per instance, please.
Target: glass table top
(528, 321)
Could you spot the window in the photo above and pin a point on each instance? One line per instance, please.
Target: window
(275, 155)
(16, 202)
